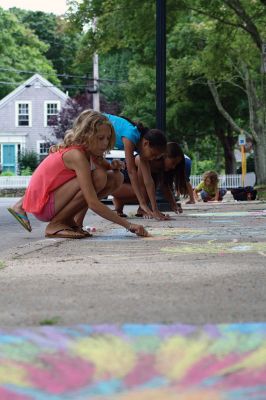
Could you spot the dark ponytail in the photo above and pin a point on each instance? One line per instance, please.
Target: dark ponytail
(156, 138)
(178, 176)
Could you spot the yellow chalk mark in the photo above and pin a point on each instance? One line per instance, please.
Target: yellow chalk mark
(13, 375)
(254, 361)
(110, 355)
(178, 354)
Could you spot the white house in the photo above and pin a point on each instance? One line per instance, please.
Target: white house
(25, 119)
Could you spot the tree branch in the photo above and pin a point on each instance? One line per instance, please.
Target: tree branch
(224, 113)
(236, 6)
(248, 24)
(253, 104)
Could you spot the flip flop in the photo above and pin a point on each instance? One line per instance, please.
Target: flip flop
(79, 229)
(22, 219)
(65, 233)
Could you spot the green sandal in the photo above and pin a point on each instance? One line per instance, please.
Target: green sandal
(21, 218)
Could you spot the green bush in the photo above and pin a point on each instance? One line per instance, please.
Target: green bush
(26, 172)
(7, 173)
(28, 159)
(204, 165)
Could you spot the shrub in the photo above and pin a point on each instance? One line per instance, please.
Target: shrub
(26, 171)
(204, 165)
(28, 159)
(7, 173)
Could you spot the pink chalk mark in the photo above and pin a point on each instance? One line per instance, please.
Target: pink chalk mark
(243, 378)
(61, 373)
(143, 371)
(209, 367)
(6, 394)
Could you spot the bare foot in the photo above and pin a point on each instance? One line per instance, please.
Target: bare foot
(140, 213)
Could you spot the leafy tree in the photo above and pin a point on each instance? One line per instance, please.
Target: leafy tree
(214, 64)
(237, 29)
(62, 44)
(20, 49)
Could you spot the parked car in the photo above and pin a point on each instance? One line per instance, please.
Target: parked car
(113, 155)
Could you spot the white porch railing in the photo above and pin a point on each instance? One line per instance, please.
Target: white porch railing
(226, 181)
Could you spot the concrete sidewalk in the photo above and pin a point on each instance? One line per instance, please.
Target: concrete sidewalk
(206, 265)
(178, 315)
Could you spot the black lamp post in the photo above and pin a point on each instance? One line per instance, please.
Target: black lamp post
(161, 64)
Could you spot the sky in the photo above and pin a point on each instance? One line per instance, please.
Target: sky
(57, 7)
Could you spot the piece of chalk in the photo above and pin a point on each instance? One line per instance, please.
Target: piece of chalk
(90, 228)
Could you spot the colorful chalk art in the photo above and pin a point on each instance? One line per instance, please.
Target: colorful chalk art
(214, 247)
(258, 213)
(134, 362)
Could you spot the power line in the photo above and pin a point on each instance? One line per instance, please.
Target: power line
(66, 86)
(21, 71)
(88, 78)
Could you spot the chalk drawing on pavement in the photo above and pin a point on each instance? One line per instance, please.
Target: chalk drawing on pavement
(261, 213)
(134, 362)
(216, 247)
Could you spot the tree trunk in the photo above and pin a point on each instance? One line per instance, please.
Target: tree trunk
(257, 126)
(228, 142)
(256, 121)
(260, 158)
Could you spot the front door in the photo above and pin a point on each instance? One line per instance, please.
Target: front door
(9, 157)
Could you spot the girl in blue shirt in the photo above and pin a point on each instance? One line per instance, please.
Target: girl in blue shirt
(149, 144)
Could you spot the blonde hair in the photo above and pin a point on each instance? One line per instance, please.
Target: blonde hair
(84, 130)
(213, 176)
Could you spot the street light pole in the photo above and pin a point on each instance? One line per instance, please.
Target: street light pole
(161, 64)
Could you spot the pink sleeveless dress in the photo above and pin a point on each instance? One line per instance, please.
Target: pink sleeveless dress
(50, 175)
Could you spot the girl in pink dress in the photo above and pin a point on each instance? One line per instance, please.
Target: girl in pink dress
(74, 177)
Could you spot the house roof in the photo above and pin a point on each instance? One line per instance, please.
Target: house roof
(35, 78)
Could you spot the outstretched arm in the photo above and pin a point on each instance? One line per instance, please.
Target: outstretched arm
(145, 170)
(190, 193)
(133, 175)
(169, 196)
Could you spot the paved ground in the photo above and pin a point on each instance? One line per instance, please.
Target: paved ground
(197, 287)
(204, 266)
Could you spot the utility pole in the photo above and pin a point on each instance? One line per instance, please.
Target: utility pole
(161, 64)
(96, 92)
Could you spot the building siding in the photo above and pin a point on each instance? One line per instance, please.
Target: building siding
(28, 136)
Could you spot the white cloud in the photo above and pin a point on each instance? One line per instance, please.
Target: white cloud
(56, 7)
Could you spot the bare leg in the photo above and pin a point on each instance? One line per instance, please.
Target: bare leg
(114, 181)
(124, 195)
(70, 205)
(18, 206)
(69, 201)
